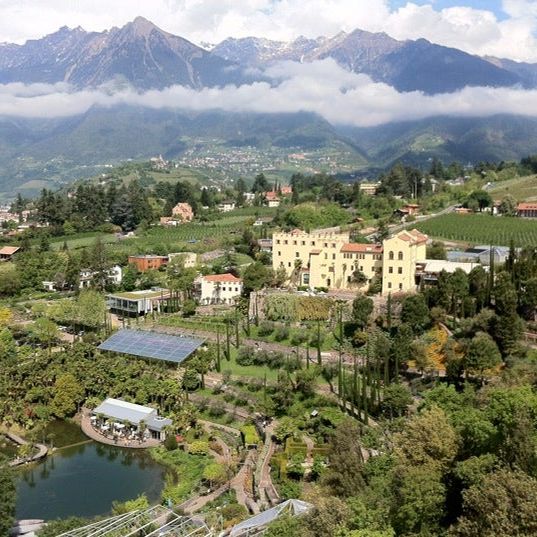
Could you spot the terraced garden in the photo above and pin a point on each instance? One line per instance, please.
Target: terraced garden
(481, 229)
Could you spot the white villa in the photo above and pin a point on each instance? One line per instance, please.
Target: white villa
(218, 289)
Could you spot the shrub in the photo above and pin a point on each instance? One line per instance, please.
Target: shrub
(246, 356)
(276, 360)
(281, 333)
(298, 338)
(216, 410)
(170, 443)
(199, 447)
(265, 328)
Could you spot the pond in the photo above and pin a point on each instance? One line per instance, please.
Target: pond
(84, 480)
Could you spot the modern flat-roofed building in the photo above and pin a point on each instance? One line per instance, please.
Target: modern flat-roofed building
(125, 412)
(148, 262)
(136, 303)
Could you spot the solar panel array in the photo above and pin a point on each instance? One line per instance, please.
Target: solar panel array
(152, 345)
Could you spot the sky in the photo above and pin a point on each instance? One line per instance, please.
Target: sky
(506, 28)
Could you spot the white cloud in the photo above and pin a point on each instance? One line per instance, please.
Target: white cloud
(476, 31)
(321, 87)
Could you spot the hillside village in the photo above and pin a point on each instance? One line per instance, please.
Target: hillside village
(327, 343)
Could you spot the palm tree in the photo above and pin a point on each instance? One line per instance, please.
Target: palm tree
(142, 428)
(295, 275)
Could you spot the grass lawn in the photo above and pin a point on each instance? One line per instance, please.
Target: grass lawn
(81, 240)
(481, 229)
(522, 189)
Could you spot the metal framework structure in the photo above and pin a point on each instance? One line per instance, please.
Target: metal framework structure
(159, 521)
(156, 521)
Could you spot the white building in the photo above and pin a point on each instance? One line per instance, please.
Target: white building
(124, 412)
(218, 289)
(226, 206)
(115, 276)
(190, 259)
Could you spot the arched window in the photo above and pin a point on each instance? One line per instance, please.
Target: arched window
(390, 256)
(400, 256)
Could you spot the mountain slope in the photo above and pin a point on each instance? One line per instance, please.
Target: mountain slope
(138, 53)
(502, 137)
(405, 65)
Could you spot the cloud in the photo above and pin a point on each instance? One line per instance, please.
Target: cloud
(478, 31)
(322, 87)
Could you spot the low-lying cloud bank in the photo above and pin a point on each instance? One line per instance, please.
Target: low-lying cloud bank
(321, 87)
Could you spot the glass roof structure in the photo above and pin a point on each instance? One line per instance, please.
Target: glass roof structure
(160, 521)
(142, 523)
(258, 524)
(152, 345)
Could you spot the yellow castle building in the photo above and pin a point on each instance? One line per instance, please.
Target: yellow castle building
(327, 258)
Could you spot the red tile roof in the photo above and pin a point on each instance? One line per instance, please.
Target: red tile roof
(413, 236)
(527, 206)
(362, 248)
(9, 250)
(271, 196)
(222, 278)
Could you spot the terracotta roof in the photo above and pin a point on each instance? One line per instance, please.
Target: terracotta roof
(222, 278)
(315, 252)
(362, 248)
(527, 206)
(413, 236)
(272, 196)
(9, 250)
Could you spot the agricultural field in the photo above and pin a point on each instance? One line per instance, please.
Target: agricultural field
(81, 240)
(481, 229)
(522, 189)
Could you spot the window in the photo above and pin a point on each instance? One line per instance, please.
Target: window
(279, 253)
(361, 267)
(277, 241)
(333, 245)
(294, 243)
(348, 279)
(400, 287)
(400, 270)
(286, 242)
(297, 254)
(223, 288)
(389, 285)
(333, 256)
(326, 245)
(400, 256)
(390, 270)
(326, 256)
(289, 264)
(313, 243)
(303, 243)
(390, 256)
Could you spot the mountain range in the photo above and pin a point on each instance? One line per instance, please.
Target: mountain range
(142, 56)
(146, 57)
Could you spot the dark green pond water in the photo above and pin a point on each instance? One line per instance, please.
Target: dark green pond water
(84, 480)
